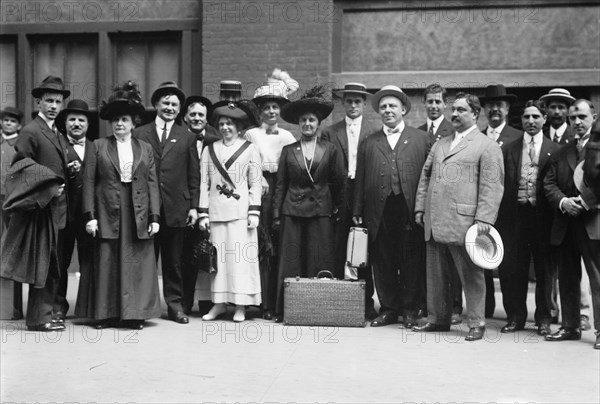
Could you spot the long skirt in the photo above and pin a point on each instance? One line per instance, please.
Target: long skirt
(122, 280)
(238, 278)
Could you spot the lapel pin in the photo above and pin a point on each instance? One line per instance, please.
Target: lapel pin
(173, 140)
(549, 154)
(406, 141)
(297, 148)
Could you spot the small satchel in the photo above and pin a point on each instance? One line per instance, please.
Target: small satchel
(204, 253)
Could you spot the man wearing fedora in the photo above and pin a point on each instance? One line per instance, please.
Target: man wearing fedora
(496, 104)
(74, 122)
(461, 185)
(178, 169)
(388, 166)
(524, 222)
(575, 226)
(437, 126)
(11, 120)
(195, 116)
(40, 141)
(347, 135)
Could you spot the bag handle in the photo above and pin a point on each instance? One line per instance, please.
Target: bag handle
(321, 274)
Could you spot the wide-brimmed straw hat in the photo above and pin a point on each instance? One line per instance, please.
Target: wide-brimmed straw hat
(486, 251)
(353, 88)
(50, 84)
(393, 91)
(125, 100)
(558, 94)
(313, 101)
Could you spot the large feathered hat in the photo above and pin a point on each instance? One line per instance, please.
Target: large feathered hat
(280, 85)
(313, 101)
(125, 100)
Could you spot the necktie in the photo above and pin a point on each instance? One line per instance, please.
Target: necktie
(532, 150)
(164, 134)
(555, 138)
(579, 145)
(272, 131)
(494, 135)
(431, 132)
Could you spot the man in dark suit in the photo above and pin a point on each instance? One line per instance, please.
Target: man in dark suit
(40, 141)
(178, 169)
(195, 116)
(449, 201)
(437, 126)
(524, 222)
(347, 135)
(387, 174)
(74, 122)
(576, 226)
(557, 103)
(496, 104)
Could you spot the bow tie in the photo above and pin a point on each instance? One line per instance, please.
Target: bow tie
(200, 137)
(392, 131)
(272, 131)
(77, 142)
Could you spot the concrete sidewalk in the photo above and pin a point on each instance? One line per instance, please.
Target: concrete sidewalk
(259, 361)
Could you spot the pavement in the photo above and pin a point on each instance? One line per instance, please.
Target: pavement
(260, 361)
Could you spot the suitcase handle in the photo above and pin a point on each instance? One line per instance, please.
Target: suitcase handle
(320, 274)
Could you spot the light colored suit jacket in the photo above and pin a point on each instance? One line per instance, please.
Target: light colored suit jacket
(246, 174)
(460, 186)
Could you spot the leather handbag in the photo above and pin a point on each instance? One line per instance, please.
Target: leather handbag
(204, 253)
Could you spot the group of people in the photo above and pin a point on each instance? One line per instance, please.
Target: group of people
(275, 205)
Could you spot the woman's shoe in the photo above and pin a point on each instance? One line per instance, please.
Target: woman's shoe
(268, 315)
(107, 323)
(240, 314)
(134, 324)
(215, 312)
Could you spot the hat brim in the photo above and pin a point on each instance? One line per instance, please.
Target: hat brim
(293, 111)
(486, 252)
(62, 115)
(384, 93)
(120, 108)
(549, 97)
(281, 101)
(585, 192)
(18, 117)
(38, 92)
(341, 93)
(197, 98)
(167, 90)
(510, 98)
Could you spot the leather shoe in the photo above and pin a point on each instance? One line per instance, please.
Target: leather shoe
(565, 334)
(409, 321)
(544, 329)
(585, 323)
(268, 315)
(58, 317)
(46, 327)
(511, 327)
(107, 323)
(370, 313)
(386, 318)
(179, 317)
(431, 327)
(134, 324)
(475, 333)
(456, 319)
(597, 344)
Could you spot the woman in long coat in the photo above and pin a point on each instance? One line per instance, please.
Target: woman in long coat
(121, 210)
(309, 183)
(230, 191)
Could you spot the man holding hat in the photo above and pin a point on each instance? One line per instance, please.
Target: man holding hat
(347, 135)
(575, 226)
(40, 141)
(74, 122)
(11, 120)
(178, 169)
(524, 222)
(387, 174)
(461, 184)
(557, 103)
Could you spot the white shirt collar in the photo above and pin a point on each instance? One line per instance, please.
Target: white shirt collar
(466, 132)
(560, 131)
(10, 137)
(49, 122)
(436, 123)
(400, 127)
(160, 124)
(537, 138)
(355, 121)
(265, 126)
(498, 129)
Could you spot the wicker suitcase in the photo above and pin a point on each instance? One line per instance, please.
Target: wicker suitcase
(323, 302)
(357, 247)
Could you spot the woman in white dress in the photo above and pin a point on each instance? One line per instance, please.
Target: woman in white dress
(230, 193)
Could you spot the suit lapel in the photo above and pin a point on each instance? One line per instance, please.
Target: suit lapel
(137, 154)
(173, 138)
(405, 138)
(52, 137)
(152, 138)
(342, 138)
(113, 154)
(463, 144)
(319, 153)
(572, 157)
(300, 157)
(544, 153)
(382, 143)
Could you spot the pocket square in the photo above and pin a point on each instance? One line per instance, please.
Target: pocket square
(173, 140)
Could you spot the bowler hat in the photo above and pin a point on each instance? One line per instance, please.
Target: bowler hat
(486, 251)
(558, 94)
(393, 91)
(193, 99)
(50, 84)
(168, 88)
(74, 106)
(353, 88)
(12, 111)
(497, 92)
